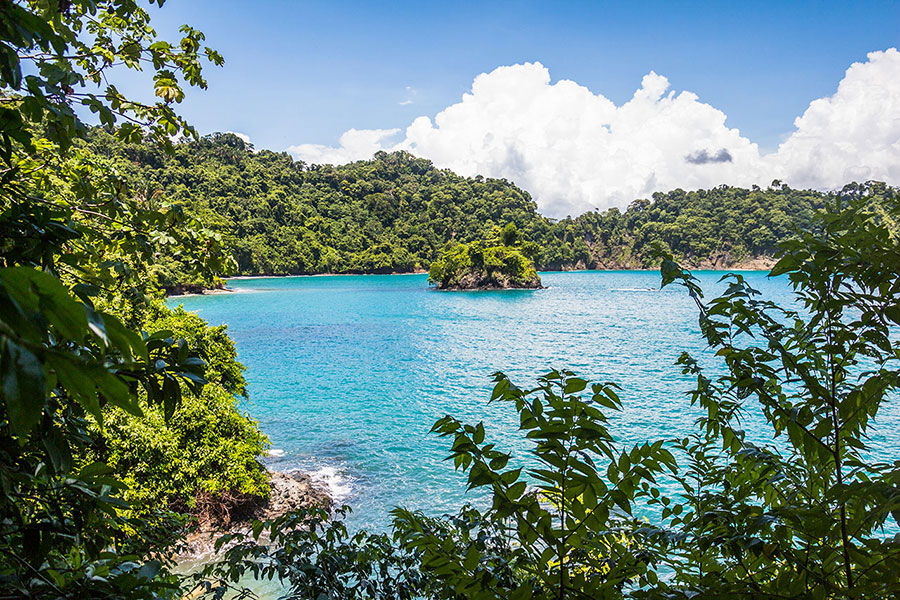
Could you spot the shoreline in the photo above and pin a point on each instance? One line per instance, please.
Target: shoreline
(750, 265)
(289, 490)
(738, 267)
(243, 277)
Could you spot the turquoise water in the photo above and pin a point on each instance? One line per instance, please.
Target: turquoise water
(348, 373)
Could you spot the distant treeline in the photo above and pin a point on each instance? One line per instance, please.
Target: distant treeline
(395, 212)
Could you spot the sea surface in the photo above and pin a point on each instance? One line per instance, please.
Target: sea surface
(347, 374)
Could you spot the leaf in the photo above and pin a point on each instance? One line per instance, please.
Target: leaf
(77, 379)
(624, 463)
(52, 298)
(23, 386)
(97, 326)
(171, 392)
(117, 393)
(58, 450)
(94, 469)
(478, 437)
(892, 312)
(575, 385)
(123, 339)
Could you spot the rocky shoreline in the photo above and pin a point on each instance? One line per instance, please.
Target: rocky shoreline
(479, 280)
(715, 263)
(288, 491)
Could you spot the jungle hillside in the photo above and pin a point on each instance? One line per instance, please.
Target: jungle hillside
(395, 213)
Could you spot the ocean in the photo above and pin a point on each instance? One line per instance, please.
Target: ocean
(347, 374)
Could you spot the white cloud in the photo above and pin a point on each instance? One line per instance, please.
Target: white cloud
(852, 136)
(575, 150)
(356, 144)
(243, 136)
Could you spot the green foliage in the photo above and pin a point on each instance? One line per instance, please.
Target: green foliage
(804, 517)
(491, 264)
(313, 553)
(573, 533)
(804, 512)
(206, 447)
(396, 213)
(76, 245)
(55, 54)
(212, 343)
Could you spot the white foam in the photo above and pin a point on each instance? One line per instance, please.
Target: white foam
(339, 485)
(275, 452)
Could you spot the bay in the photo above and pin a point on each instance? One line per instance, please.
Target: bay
(348, 373)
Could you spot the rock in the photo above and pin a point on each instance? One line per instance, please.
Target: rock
(291, 491)
(479, 280)
(288, 491)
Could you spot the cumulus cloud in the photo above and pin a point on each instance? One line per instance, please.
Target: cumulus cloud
(356, 144)
(575, 150)
(853, 135)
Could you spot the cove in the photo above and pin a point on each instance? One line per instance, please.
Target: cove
(347, 374)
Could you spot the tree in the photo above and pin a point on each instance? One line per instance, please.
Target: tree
(73, 273)
(806, 514)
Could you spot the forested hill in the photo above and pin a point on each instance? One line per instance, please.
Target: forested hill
(395, 212)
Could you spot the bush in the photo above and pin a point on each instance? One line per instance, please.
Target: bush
(207, 446)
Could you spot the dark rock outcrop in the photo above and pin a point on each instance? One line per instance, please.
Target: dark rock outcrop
(479, 280)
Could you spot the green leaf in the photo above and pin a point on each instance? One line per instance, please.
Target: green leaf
(77, 378)
(117, 393)
(39, 290)
(93, 470)
(575, 385)
(24, 387)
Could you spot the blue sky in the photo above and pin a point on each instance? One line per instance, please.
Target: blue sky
(304, 72)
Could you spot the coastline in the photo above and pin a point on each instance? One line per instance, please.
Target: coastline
(748, 265)
(753, 264)
(207, 292)
(243, 277)
(289, 490)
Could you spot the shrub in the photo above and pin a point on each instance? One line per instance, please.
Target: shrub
(206, 447)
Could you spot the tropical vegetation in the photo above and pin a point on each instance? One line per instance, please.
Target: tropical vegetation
(119, 416)
(396, 213)
(497, 263)
(113, 409)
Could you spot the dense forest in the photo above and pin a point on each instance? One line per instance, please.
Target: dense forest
(119, 415)
(395, 212)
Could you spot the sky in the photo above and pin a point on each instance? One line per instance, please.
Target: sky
(584, 104)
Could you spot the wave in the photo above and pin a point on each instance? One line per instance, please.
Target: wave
(339, 485)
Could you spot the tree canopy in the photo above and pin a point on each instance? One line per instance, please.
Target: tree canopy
(86, 347)
(396, 212)
(496, 263)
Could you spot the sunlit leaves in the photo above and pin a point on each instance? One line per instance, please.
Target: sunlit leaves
(792, 518)
(83, 42)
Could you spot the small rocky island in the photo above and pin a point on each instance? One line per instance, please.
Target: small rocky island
(502, 261)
